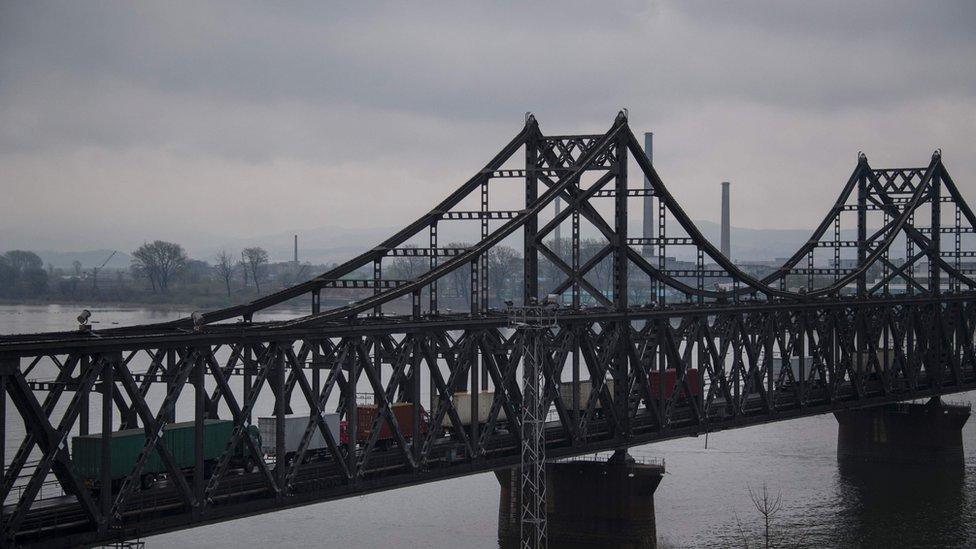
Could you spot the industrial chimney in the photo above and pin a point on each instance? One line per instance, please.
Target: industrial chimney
(726, 225)
(296, 249)
(648, 199)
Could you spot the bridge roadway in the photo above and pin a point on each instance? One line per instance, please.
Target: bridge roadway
(159, 509)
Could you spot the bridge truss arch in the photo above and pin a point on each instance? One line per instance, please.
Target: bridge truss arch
(905, 229)
(653, 353)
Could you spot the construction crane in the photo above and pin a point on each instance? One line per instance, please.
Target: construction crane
(301, 271)
(94, 271)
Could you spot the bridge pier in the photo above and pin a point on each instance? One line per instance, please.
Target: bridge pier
(903, 433)
(589, 503)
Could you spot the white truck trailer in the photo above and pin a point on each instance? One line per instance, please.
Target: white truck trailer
(294, 429)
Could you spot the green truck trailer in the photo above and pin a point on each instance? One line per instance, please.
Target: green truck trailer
(125, 446)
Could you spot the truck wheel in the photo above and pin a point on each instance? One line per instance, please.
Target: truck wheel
(147, 480)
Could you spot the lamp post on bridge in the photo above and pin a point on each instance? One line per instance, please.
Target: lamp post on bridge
(532, 321)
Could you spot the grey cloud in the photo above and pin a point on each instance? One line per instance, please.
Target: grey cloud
(441, 60)
(376, 94)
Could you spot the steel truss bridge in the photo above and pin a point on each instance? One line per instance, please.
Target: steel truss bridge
(885, 313)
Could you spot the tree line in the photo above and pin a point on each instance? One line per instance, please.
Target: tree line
(160, 271)
(163, 271)
(160, 262)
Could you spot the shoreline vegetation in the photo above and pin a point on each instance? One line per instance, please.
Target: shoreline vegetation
(163, 276)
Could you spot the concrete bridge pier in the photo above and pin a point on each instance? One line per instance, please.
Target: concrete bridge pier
(589, 503)
(903, 433)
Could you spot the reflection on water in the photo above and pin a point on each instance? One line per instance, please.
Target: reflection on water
(903, 506)
(874, 505)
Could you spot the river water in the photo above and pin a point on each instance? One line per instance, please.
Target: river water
(703, 500)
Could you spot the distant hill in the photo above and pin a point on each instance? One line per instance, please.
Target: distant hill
(329, 244)
(757, 244)
(332, 244)
(319, 245)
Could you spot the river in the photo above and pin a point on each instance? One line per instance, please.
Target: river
(702, 501)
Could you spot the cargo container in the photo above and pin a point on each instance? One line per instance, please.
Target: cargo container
(670, 382)
(880, 354)
(810, 366)
(178, 438)
(793, 366)
(462, 402)
(366, 415)
(295, 426)
(585, 388)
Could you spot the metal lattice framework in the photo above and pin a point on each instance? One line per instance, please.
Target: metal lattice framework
(530, 320)
(877, 312)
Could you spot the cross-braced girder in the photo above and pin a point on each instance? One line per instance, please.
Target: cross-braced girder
(609, 380)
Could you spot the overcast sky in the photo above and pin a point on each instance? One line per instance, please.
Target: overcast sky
(122, 121)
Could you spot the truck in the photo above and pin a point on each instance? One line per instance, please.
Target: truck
(462, 402)
(585, 388)
(295, 426)
(366, 415)
(671, 383)
(125, 446)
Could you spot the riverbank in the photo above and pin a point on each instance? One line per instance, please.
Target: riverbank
(179, 306)
(23, 318)
(159, 302)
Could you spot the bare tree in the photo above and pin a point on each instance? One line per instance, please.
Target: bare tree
(244, 274)
(138, 270)
(503, 262)
(225, 268)
(768, 507)
(600, 275)
(409, 267)
(461, 277)
(255, 259)
(160, 261)
(549, 274)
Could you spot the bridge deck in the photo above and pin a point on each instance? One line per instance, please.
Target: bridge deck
(55, 522)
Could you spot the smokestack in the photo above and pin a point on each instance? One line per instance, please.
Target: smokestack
(296, 248)
(726, 225)
(648, 200)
